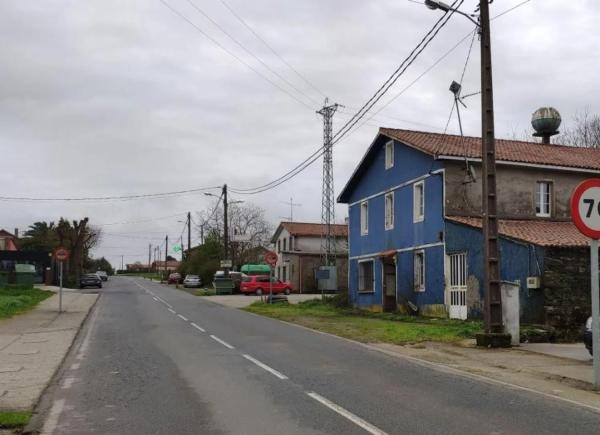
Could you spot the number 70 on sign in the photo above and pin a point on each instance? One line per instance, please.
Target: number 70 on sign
(585, 208)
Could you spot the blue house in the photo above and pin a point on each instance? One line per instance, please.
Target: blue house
(414, 220)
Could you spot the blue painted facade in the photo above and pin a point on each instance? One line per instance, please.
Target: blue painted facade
(518, 260)
(434, 236)
(406, 237)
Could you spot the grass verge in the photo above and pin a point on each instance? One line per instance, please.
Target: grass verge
(18, 299)
(368, 327)
(12, 420)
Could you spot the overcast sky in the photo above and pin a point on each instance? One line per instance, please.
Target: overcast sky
(106, 97)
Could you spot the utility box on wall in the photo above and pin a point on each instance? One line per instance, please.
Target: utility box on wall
(534, 282)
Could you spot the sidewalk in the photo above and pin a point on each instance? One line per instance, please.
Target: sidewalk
(33, 345)
(569, 379)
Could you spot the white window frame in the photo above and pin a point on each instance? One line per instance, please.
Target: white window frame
(364, 218)
(419, 202)
(388, 212)
(389, 154)
(541, 195)
(419, 286)
(361, 283)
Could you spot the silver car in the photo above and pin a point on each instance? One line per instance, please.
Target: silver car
(192, 281)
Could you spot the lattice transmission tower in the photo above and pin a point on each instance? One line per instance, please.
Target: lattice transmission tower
(328, 248)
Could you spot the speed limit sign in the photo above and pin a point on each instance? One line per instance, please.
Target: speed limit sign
(585, 208)
(585, 212)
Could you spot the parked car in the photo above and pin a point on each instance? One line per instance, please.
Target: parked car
(174, 278)
(587, 335)
(259, 284)
(236, 277)
(103, 275)
(90, 280)
(192, 281)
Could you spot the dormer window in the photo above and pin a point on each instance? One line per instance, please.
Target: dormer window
(389, 155)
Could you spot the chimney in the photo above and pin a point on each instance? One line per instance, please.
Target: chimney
(16, 233)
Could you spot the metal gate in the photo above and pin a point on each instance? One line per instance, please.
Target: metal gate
(458, 286)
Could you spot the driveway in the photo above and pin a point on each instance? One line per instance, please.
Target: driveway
(241, 301)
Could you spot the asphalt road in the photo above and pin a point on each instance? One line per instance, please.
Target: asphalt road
(155, 360)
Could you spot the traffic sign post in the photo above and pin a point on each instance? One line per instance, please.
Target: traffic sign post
(585, 212)
(271, 260)
(61, 255)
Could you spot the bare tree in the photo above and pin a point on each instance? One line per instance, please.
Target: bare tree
(584, 132)
(79, 238)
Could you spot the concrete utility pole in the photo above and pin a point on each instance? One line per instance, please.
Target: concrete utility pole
(494, 323)
(149, 256)
(328, 197)
(189, 225)
(226, 228)
(166, 254)
(493, 292)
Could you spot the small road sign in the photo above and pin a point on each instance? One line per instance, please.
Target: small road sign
(61, 254)
(585, 212)
(226, 263)
(271, 258)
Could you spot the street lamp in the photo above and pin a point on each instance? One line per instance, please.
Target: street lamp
(494, 325)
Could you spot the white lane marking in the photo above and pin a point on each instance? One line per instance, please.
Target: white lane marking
(343, 412)
(75, 366)
(224, 343)
(199, 328)
(68, 383)
(182, 317)
(171, 310)
(266, 367)
(154, 297)
(53, 416)
(148, 291)
(165, 302)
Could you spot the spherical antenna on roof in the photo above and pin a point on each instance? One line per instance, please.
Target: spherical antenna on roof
(545, 121)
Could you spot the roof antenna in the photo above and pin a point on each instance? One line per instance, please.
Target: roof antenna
(455, 88)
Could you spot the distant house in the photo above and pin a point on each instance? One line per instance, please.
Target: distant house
(8, 241)
(415, 226)
(136, 267)
(298, 246)
(171, 265)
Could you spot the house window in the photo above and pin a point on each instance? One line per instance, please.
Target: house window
(364, 218)
(284, 273)
(543, 199)
(389, 211)
(418, 202)
(285, 244)
(420, 271)
(365, 276)
(278, 246)
(389, 155)
(291, 243)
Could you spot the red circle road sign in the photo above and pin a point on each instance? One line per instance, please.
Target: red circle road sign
(585, 208)
(271, 258)
(61, 254)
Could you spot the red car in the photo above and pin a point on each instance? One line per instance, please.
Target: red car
(175, 278)
(259, 284)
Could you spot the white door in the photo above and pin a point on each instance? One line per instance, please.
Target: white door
(458, 286)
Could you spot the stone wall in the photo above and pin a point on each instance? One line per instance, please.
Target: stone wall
(567, 294)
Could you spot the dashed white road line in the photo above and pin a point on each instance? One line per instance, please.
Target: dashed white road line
(347, 414)
(199, 328)
(182, 317)
(172, 310)
(265, 367)
(224, 343)
(153, 297)
(68, 383)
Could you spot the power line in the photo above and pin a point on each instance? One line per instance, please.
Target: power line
(229, 52)
(425, 41)
(243, 47)
(241, 20)
(112, 198)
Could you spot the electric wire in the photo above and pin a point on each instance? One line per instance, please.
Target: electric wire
(266, 44)
(229, 52)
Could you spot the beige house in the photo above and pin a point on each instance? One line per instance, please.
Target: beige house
(298, 247)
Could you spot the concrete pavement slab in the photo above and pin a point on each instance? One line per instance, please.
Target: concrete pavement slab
(33, 345)
(576, 351)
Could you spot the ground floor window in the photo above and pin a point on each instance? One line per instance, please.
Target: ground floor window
(419, 264)
(284, 273)
(365, 276)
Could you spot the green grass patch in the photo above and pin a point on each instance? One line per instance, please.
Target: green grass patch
(148, 275)
(12, 420)
(368, 327)
(199, 291)
(18, 299)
